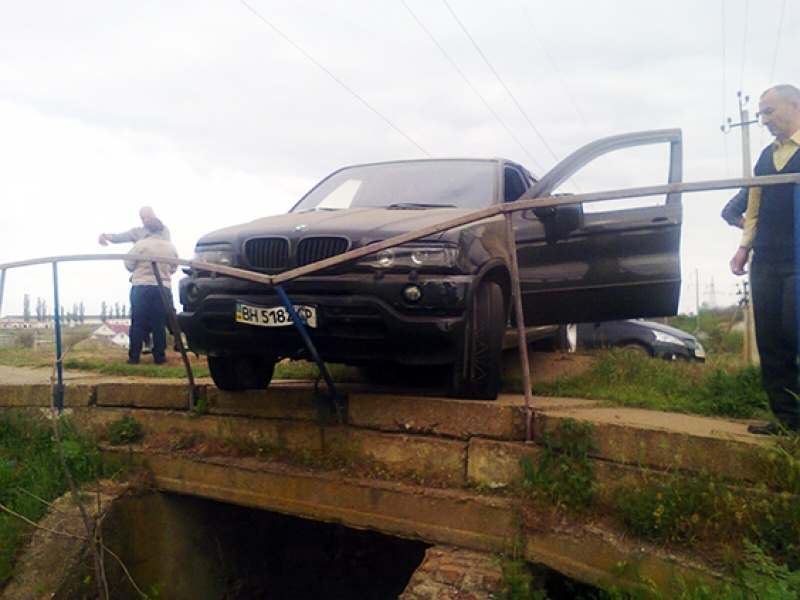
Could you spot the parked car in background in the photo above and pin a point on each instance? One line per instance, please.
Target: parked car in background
(648, 337)
(443, 300)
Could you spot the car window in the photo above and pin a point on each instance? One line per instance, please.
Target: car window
(513, 183)
(636, 167)
(341, 196)
(463, 184)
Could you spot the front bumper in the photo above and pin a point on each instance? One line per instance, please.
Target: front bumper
(676, 351)
(361, 318)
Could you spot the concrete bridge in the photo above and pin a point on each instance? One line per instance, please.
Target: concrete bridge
(424, 468)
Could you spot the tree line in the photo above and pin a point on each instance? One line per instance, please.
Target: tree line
(76, 315)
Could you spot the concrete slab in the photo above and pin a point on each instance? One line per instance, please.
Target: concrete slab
(409, 438)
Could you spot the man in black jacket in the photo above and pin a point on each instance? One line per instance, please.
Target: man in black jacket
(769, 232)
(733, 211)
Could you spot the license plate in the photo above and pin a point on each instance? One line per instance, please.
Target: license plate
(274, 316)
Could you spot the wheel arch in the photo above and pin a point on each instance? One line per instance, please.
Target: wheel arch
(499, 273)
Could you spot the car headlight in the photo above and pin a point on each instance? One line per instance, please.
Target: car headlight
(666, 338)
(412, 257)
(217, 256)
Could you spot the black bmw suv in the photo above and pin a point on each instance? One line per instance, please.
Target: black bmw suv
(442, 300)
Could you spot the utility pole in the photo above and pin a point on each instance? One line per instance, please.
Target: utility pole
(750, 351)
(697, 298)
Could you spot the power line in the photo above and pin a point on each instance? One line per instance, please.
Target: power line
(335, 78)
(777, 43)
(500, 80)
(744, 43)
(469, 83)
(556, 69)
(724, 83)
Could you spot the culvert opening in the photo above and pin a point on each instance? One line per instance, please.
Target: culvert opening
(186, 547)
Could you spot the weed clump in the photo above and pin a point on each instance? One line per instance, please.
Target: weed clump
(711, 516)
(31, 475)
(126, 430)
(564, 474)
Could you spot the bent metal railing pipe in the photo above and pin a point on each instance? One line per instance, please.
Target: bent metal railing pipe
(172, 320)
(506, 209)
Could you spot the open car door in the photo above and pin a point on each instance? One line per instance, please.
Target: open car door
(601, 260)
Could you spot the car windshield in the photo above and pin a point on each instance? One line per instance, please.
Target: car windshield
(406, 185)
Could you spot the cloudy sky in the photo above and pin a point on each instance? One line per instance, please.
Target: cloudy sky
(221, 111)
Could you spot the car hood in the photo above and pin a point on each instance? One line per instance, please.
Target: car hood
(361, 225)
(678, 333)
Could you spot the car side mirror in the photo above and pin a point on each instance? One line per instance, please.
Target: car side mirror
(558, 221)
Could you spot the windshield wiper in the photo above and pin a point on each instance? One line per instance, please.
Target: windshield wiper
(417, 205)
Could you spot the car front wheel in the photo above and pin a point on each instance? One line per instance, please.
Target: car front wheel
(635, 348)
(240, 373)
(476, 374)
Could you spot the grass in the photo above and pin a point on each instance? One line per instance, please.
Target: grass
(724, 387)
(111, 361)
(31, 474)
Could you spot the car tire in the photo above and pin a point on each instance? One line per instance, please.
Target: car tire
(476, 373)
(635, 348)
(241, 373)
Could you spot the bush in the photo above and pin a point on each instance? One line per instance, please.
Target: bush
(126, 430)
(31, 475)
(26, 338)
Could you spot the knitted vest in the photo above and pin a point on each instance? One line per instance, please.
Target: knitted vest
(774, 239)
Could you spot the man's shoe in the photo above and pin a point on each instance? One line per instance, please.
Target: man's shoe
(131, 361)
(766, 429)
(161, 361)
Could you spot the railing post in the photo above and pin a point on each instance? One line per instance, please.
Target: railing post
(59, 389)
(516, 289)
(166, 300)
(336, 398)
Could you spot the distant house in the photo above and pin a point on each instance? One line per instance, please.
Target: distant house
(34, 322)
(18, 322)
(113, 334)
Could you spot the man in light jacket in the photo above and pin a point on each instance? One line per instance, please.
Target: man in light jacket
(148, 312)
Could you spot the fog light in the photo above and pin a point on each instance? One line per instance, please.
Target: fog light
(385, 258)
(412, 293)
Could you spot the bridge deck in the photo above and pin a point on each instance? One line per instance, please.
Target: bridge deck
(431, 461)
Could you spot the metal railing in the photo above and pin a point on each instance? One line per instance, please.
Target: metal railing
(507, 210)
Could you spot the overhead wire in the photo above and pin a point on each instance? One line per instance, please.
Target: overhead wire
(500, 80)
(556, 69)
(777, 43)
(744, 42)
(469, 83)
(335, 78)
(724, 86)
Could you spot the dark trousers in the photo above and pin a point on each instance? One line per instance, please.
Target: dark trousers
(775, 312)
(148, 314)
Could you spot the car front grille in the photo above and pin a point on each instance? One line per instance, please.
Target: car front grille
(272, 254)
(267, 253)
(311, 250)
